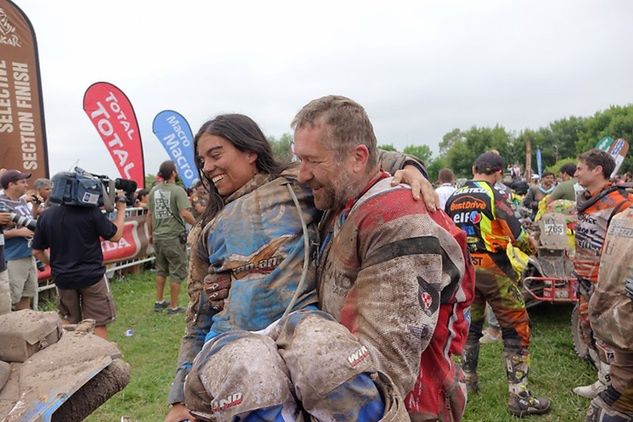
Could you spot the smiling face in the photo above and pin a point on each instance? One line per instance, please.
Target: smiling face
(227, 167)
(329, 178)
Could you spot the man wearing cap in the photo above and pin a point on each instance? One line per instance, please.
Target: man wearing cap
(489, 222)
(18, 253)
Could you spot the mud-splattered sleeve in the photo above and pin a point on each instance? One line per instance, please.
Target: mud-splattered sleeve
(406, 261)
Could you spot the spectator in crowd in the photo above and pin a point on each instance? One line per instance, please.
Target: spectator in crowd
(141, 198)
(18, 252)
(335, 142)
(446, 178)
(199, 200)
(5, 289)
(515, 172)
(597, 206)
(73, 234)
(40, 198)
(168, 211)
(539, 191)
(568, 188)
(488, 220)
(610, 310)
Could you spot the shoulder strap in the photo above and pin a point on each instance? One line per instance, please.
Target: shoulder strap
(177, 218)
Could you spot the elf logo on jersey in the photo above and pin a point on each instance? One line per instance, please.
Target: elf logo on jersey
(473, 217)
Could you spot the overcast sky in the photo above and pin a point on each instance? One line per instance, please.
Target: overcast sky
(419, 68)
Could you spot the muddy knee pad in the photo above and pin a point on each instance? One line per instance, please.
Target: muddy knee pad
(320, 354)
(236, 373)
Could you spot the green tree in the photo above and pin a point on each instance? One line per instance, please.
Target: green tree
(387, 147)
(282, 147)
(555, 168)
(421, 152)
(149, 181)
(449, 139)
(434, 167)
(466, 146)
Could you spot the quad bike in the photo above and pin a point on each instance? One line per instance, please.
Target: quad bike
(50, 373)
(548, 276)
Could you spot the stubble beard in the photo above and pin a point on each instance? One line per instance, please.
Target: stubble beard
(336, 193)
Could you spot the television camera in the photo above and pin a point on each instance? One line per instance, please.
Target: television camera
(83, 189)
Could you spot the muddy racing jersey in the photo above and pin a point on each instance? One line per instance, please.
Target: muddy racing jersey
(486, 217)
(386, 266)
(611, 304)
(594, 215)
(257, 241)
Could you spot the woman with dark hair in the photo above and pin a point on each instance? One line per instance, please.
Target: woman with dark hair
(250, 237)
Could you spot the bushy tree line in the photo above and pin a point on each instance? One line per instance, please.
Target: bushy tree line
(560, 141)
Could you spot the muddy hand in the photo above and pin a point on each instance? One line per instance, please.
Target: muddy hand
(419, 186)
(217, 289)
(178, 413)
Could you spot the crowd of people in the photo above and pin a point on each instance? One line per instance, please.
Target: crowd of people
(342, 286)
(486, 208)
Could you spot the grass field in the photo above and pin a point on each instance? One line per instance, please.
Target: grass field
(152, 352)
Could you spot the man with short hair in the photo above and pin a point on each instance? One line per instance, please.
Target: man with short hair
(168, 210)
(599, 203)
(73, 235)
(19, 256)
(488, 220)
(446, 178)
(393, 288)
(42, 193)
(568, 189)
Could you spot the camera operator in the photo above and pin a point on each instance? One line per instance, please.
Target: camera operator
(73, 232)
(5, 290)
(18, 253)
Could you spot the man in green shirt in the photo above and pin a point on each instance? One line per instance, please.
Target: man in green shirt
(168, 210)
(568, 187)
